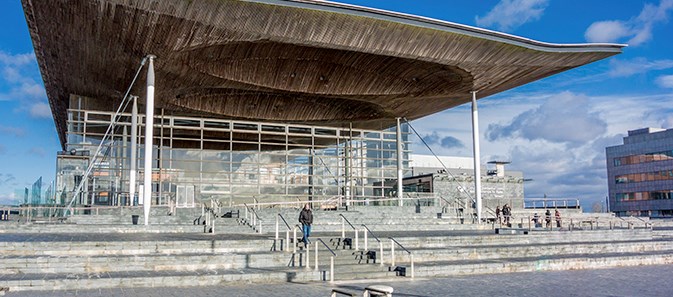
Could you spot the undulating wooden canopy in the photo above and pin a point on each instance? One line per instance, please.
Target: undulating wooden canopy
(311, 62)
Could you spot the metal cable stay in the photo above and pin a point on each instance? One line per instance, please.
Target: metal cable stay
(440, 161)
(108, 132)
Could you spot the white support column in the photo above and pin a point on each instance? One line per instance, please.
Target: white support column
(477, 159)
(400, 172)
(134, 150)
(149, 135)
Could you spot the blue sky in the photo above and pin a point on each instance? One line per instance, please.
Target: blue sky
(554, 130)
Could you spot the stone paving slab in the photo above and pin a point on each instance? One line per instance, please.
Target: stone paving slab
(644, 281)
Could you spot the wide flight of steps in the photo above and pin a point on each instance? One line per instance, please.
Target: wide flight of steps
(93, 254)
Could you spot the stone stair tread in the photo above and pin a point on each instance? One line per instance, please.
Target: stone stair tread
(529, 259)
(136, 274)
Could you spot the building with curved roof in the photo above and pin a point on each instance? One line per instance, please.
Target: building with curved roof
(277, 97)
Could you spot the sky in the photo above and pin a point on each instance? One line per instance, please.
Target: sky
(554, 130)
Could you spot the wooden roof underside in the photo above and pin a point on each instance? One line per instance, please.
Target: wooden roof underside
(277, 61)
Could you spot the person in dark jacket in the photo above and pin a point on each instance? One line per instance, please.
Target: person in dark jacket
(306, 220)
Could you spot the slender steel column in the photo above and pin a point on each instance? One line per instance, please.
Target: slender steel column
(477, 159)
(400, 173)
(149, 134)
(134, 150)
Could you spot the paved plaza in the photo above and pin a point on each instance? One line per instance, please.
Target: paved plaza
(627, 281)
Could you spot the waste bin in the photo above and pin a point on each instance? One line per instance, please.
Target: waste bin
(134, 219)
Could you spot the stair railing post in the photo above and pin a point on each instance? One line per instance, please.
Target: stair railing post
(316, 257)
(412, 265)
(287, 240)
(343, 227)
(365, 232)
(308, 257)
(381, 253)
(331, 269)
(276, 228)
(357, 244)
(260, 227)
(294, 243)
(392, 253)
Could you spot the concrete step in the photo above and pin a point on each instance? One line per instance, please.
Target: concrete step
(518, 251)
(530, 264)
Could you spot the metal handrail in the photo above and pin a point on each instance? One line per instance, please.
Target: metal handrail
(347, 221)
(355, 230)
(331, 264)
(392, 254)
(284, 221)
(370, 232)
(255, 218)
(395, 241)
(328, 248)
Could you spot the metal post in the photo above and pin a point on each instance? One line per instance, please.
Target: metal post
(392, 253)
(331, 268)
(412, 265)
(357, 245)
(149, 135)
(343, 227)
(316, 257)
(400, 172)
(134, 150)
(365, 233)
(477, 159)
(381, 253)
(294, 243)
(276, 228)
(287, 240)
(308, 258)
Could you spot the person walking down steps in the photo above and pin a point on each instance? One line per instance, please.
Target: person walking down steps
(306, 219)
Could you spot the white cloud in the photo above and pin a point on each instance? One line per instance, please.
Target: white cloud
(40, 110)
(665, 81)
(37, 151)
(624, 68)
(563, 118)
(607, 31)
(556, 139)
(638, 30)
(22, 78)
(16, 131)
(507, 15)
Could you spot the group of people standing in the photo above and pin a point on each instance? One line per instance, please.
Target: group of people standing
(504, 216)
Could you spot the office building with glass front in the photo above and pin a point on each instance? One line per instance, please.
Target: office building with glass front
(640, 174)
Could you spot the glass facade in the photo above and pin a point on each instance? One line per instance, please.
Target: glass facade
(229, 160)
(644, 158)
(640, 173)
(641, 177)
